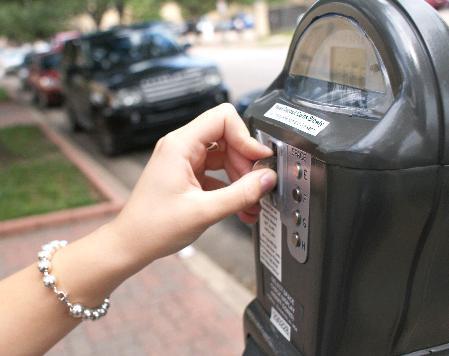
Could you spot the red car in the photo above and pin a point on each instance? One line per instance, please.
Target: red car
(437, 4)
(44, 79)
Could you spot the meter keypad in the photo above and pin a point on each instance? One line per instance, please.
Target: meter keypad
(292, 195)
(296, 206)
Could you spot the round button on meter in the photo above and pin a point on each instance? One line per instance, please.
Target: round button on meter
(298, 217)
(295, 239)
(299, 170)
(297, 195)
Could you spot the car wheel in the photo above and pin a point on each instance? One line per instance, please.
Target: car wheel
(107, 141)
(73, 119)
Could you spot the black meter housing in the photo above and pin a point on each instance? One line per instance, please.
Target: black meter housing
(352, 249)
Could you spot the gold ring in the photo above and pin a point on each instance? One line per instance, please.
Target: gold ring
(213, 146)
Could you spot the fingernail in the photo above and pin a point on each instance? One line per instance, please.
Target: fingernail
(268, 181)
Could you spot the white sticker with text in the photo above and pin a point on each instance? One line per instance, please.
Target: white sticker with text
(279, 322)
(298, 119)
(271, 238)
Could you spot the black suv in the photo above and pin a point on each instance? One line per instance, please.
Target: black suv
(132, 85)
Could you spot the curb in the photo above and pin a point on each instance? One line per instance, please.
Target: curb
(15, 226)
(84, 164)
(230, 291)
(115, 194)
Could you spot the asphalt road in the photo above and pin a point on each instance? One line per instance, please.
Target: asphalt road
(228, 243)
(246, 68)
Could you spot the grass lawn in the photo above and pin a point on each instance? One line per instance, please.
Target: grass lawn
(36, 178)
(3, 95)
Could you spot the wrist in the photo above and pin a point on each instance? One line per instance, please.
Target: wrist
(90, 268)
(137, 248)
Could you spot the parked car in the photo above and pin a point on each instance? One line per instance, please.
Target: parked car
(131, 86)
(44, 79)
(438, 4)
(239, 22)
(171, 28)
(242, 21)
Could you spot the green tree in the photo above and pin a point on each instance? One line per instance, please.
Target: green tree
(95, 8)
(26, 20)
(144, 10)
(193, 9)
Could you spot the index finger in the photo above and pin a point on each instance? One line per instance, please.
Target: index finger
(223, 122)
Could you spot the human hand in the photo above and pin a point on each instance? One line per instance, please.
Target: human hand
(175, 201)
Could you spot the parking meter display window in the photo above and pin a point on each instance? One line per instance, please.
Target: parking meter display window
(337, 64)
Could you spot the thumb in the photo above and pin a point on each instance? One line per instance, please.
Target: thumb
(241, 194)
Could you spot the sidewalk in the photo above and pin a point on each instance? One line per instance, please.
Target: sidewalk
(176, 306)
(163, 310)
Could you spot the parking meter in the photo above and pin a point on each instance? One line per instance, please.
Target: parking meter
(352, 247)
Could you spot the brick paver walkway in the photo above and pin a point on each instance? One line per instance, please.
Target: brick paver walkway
(163, 310)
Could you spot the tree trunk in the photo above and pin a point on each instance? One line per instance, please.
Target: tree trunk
(120, 6)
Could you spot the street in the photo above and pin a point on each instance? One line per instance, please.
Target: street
(246, 68)
(228, 243)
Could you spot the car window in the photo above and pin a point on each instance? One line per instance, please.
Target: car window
(129, 47)
(50, 61)
(159, 45)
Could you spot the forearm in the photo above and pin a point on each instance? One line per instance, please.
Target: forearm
(33, 320)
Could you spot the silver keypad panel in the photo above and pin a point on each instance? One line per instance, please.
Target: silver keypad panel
(295, 212)
(292, 196)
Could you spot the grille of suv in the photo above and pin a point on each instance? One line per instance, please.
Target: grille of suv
(173, 85)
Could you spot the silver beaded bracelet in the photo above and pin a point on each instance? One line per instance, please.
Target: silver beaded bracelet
(76, 310)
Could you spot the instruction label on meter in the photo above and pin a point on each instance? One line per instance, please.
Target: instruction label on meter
(279, 322)
(287, 310)
(271, 238)
(298, 119)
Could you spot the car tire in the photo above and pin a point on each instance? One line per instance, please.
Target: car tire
(107, 141)
(73, 119)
